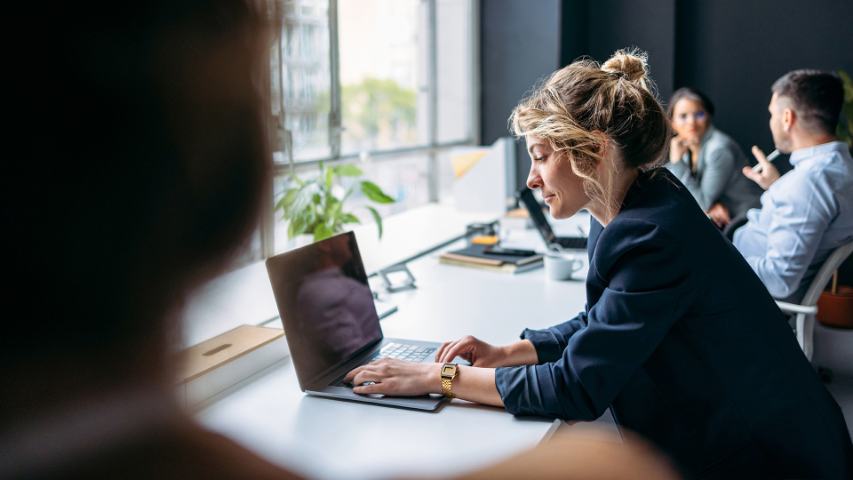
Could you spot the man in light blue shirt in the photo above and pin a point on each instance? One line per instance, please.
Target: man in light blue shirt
(808, 212)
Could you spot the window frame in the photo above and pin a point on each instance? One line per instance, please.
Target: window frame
(283, 137)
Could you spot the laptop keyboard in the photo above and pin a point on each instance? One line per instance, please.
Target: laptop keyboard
(410, 353)
(400, 351)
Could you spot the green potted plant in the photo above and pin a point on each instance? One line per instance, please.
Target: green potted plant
(315, 206)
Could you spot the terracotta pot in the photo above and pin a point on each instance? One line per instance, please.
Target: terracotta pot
(836, 309)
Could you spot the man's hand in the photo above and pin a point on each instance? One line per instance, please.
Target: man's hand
(768, 173)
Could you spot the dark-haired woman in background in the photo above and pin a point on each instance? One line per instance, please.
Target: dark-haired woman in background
(707, 161)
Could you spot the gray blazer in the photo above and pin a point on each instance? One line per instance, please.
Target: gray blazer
(718, 176)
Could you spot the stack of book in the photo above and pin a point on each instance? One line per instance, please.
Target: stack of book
(481, 256)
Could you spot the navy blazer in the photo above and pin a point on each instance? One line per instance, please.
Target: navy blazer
(683, 342)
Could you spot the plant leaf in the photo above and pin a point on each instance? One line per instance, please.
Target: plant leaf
(322, 231)
(297, 180)
(301, 203)
(348, 170)
(374, 193)
(296, 226)
(349, 218)
(377, 218)
(333, 207)
(329, 175)
(287, 199)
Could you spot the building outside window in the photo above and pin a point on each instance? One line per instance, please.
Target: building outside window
(387, 84)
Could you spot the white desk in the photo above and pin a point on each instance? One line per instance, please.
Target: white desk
(336, 439)
(244, 296)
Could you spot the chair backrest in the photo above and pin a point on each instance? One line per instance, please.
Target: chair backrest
(825, 273)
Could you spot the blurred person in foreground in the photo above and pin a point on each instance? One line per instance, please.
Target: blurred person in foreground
(139, 169)
(140, 164)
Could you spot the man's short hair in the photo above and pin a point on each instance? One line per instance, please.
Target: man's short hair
(815, 95)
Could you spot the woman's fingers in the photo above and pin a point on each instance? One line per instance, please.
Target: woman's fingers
(446, 355)
(462, 348)
(370, 388)
(441, 349)
(348, 378)
(392, 377)
(365, 375)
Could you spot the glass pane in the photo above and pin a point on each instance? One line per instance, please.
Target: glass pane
(455, 69)
(383, 46)
(305, 77)
(404, 178)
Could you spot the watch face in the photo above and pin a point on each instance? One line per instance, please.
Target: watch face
(448, 370)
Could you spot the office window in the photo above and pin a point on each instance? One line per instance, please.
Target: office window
(384, 89)
(389, 80)
(456, 70)
(300, 78)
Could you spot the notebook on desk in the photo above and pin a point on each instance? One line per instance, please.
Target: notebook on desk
(525, 196)
(331, 324)
(478, 256)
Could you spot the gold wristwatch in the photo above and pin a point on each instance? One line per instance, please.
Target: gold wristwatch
(449, 371)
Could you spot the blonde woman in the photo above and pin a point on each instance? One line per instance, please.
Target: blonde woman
(688, 350)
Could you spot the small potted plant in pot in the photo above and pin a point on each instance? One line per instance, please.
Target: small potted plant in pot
(316, 206)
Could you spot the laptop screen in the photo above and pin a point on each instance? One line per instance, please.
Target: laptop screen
(325, 303)
(535, 211)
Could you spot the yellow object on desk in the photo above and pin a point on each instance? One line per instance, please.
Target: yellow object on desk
(485, 240)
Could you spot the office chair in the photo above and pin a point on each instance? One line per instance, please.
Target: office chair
(806, 310)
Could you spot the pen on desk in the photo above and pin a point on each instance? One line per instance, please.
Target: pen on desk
(773, 155)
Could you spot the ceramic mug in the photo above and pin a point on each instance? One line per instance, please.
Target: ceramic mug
(561, 266)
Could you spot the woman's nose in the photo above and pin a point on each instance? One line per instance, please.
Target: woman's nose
(534, 181)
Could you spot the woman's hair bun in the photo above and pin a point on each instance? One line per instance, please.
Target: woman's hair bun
(631, 64)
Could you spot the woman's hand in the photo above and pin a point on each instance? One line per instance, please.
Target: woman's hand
(677, 149)
(679, 145)
(719, 214)
(482, 354)
(396, 377)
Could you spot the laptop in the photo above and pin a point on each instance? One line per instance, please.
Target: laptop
(331, 324)
(525, 196)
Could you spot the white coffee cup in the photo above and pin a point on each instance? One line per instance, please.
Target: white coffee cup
(561, 266)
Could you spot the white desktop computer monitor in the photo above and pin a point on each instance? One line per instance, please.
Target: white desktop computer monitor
(485, 177)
